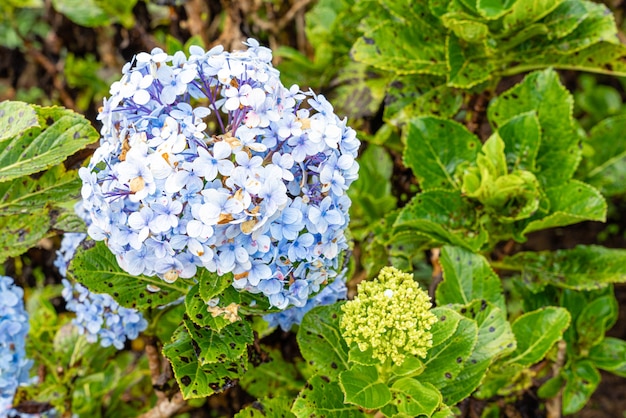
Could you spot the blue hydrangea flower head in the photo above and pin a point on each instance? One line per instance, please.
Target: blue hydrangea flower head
(208, 161)
(14, 366)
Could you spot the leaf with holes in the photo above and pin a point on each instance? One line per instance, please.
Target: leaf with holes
(229, 344)
(276, 377)
(195, 380)
(321, 342)
(322, 397)
(495, 340)
(97, 269)
(220, 316)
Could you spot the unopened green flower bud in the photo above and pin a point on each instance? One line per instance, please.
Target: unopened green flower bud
(391, 315)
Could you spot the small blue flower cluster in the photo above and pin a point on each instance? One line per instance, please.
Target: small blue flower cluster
(208, 161)
(98, 316)
(14, 366)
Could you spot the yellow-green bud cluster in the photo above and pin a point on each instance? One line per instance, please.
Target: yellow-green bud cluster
(391, 315)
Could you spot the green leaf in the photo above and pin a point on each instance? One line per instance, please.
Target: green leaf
(365, 358)
(585, 267)
(541, 92)
(571, 202)
(83, 12)
(467, 63)
(435, 148)
(276, 377)
(362, 387)
(58, 134)
(415, 398)
(467, 277)
(322, 397)
(594, 320)
(270, 407)
(229, 344)
(610, 355)
(15, 119)
(21, 232)
(494, 9)
(411, 43)
(521, 136)
(98, 270)
(536, 332)
(321, 342)
(582, 380)
(444, 216)
(194, 380)
(211, 284)
(28, 194)
(607, 164)
(446, 358)
(525, 12)
(198, 309)
(495, 340)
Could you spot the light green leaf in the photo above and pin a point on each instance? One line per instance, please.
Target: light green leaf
(610, 355)
(444, 216)
(582, 268)
(197, 381)
(362, 387)
(582, 379)
(495, 340)
(366, 358)
(570, 203)
(58, 134)
(97, 269)
(536, 332)
(322, 397)
(435, 148)
(467, 277)
(83, 12)
(414, 398)
(321, 342)
(541, 91)
(521, 136)
(276, 377)
(566, 17)
(446, 358)
(229, 344)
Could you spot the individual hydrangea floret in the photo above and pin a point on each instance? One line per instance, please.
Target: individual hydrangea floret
(391, 315)
(14, 366)
(208, 161)
(330, 294)
(98, 316)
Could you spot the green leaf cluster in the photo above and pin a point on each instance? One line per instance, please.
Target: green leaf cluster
(518, 181)
(36, 190)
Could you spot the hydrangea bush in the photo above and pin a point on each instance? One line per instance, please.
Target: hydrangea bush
(208, 161)
(216, 209)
